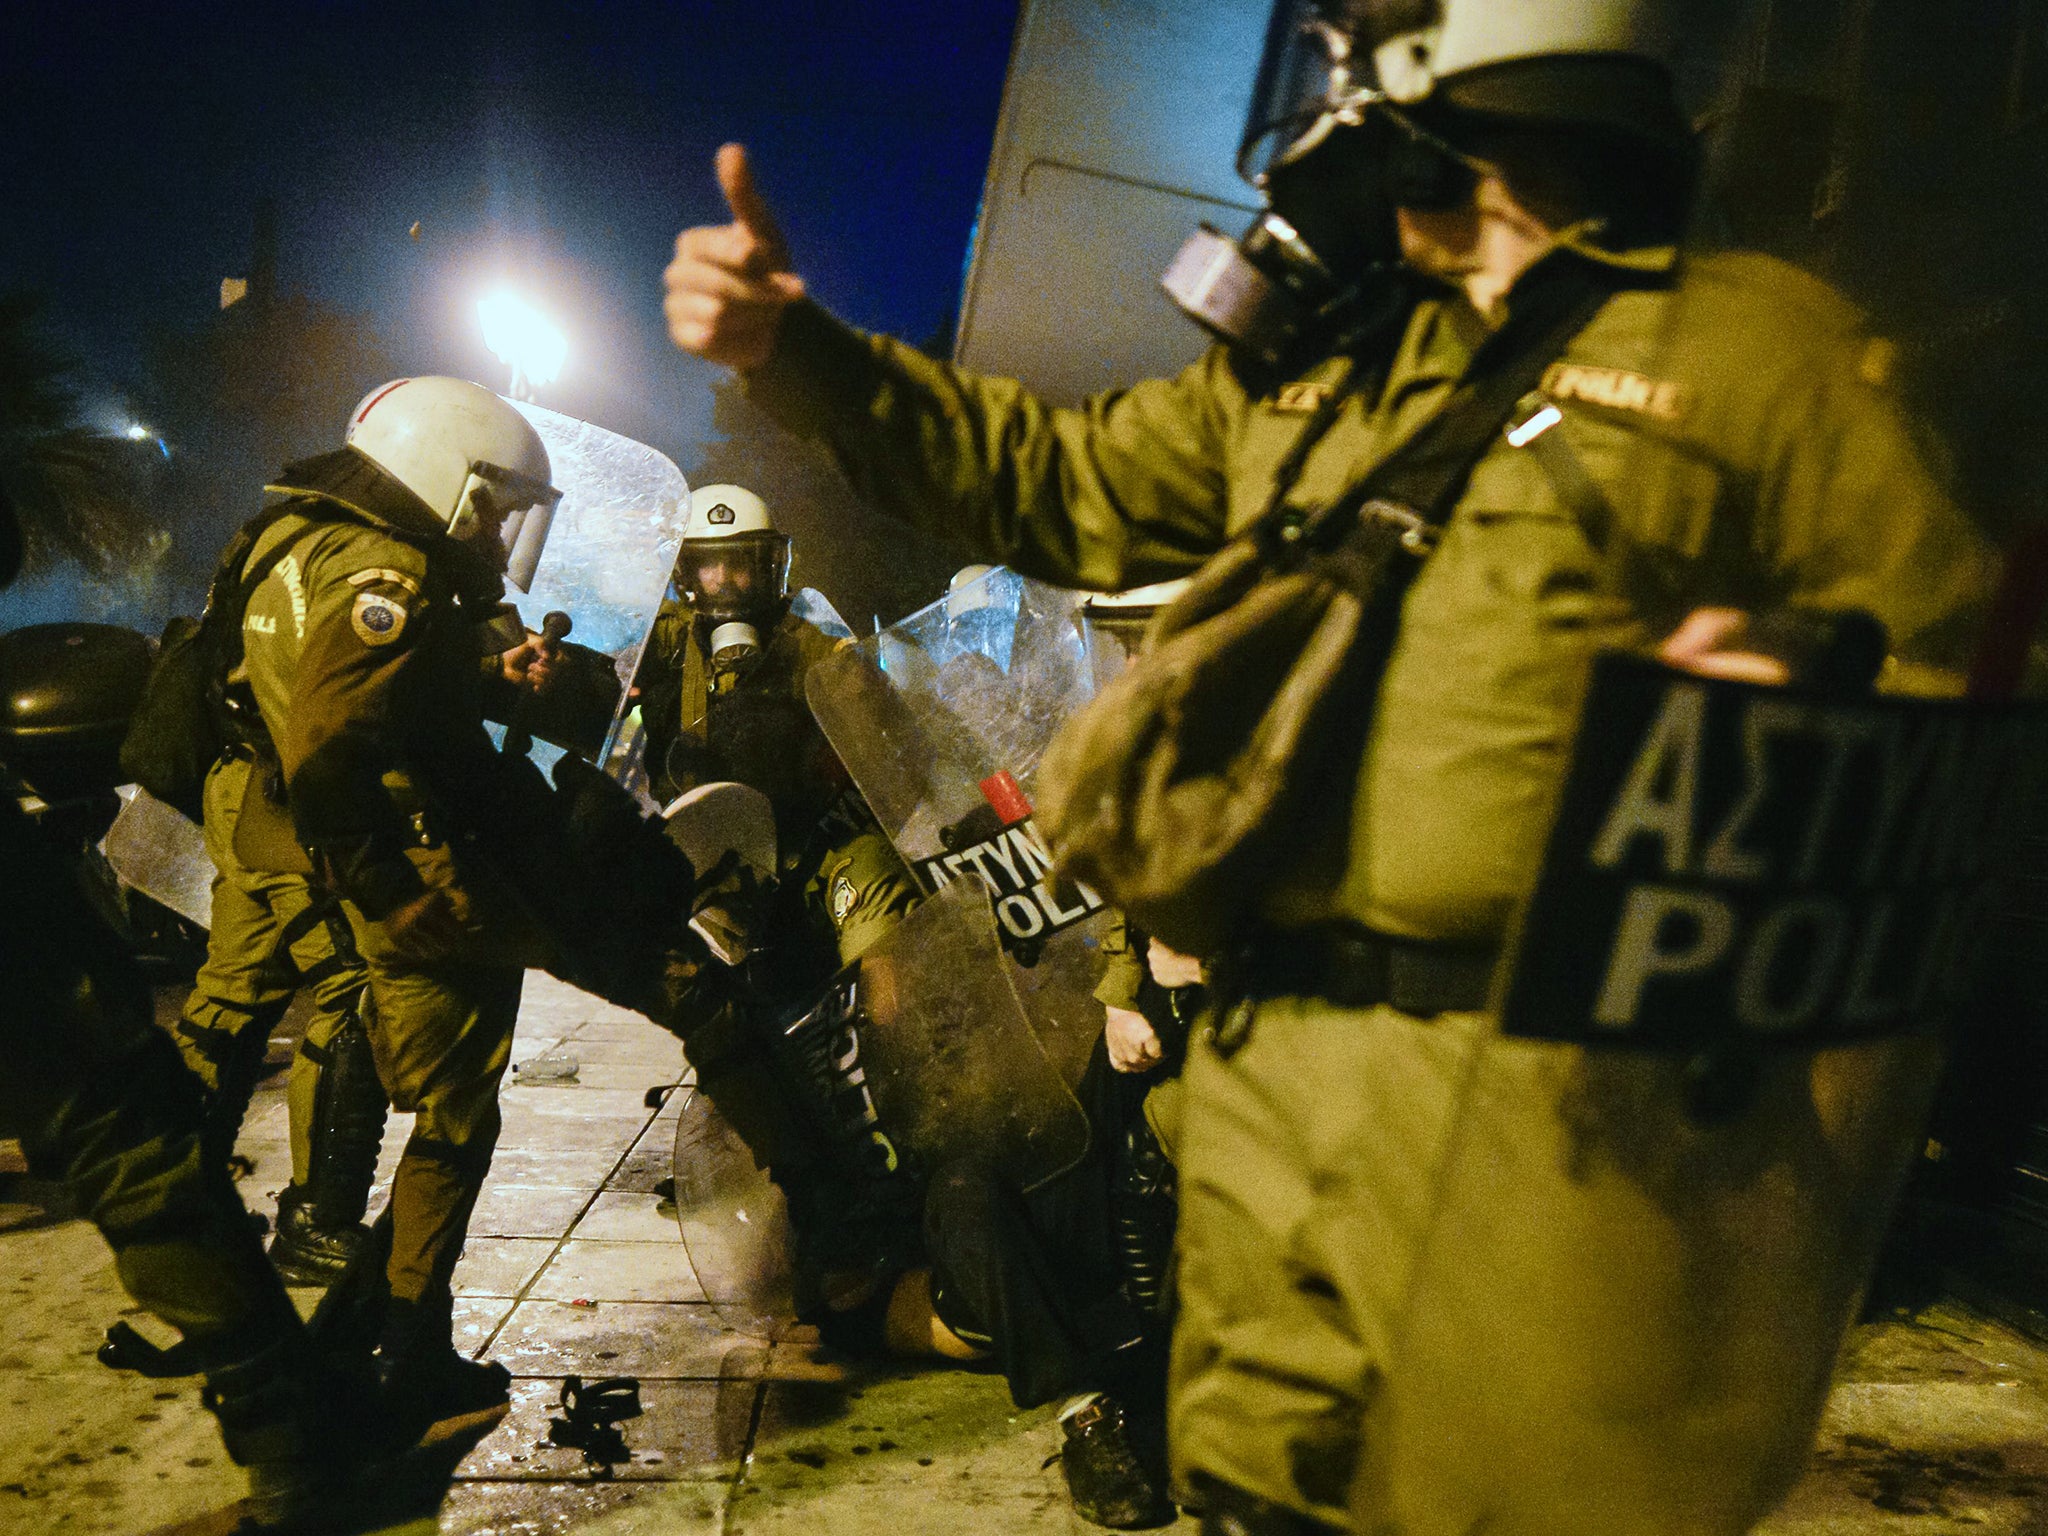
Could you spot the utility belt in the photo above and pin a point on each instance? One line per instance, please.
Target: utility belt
(1352, 966)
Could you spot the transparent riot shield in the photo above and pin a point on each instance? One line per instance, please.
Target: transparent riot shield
(161, 852)
(1659, 1177)
(935, 1050)
(816, 610)
(942, 720)
(917, 1057)
(609, 553)
(734, 1221)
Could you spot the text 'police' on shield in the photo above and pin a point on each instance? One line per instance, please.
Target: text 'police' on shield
(1791, 867)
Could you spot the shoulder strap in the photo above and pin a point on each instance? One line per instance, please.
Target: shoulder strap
(227, 597)
(1427, 473)
(227, 574)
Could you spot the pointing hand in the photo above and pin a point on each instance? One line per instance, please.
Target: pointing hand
(729, 283)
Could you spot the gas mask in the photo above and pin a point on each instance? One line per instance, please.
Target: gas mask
(735, 585)
(1332, 160)
(1310, 151)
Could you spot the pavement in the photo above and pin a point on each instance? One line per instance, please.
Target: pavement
(1938, 1422)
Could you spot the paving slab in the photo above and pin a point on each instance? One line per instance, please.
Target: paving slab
(607, 1271)
(645, 1339)
(626, 1217)
(527, 1210)
(500, 1266)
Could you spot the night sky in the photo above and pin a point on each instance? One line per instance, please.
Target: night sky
(557, 147)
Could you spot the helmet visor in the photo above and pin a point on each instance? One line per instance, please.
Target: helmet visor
(742, 576)
(513, 512)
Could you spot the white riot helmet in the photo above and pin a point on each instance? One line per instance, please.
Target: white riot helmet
(733, 567)
(1363, 106)
(474, 468)
(1603, 65)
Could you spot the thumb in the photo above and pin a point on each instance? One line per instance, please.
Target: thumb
(749, 208)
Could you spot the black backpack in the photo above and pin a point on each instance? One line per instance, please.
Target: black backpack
(177, 732)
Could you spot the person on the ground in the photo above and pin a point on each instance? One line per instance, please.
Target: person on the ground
(1550, 152)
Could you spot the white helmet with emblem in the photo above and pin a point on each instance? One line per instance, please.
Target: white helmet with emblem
(733, 566)
(443, 456)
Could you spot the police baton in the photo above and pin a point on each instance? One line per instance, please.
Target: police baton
(554, 629)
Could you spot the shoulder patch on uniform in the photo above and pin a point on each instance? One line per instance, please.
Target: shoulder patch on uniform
(380, 577)
(843, 895)
(378, 618)
(1617, 389)
(1301, 398)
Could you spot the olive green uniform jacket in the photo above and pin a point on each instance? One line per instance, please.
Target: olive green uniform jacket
(363, 652)
(1754, 459)
(1627, 1345)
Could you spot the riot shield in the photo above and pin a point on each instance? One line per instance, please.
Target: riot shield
(1665, 1177)
(926, 1050)
(734, 1221)
(728, 829)
(941, 719)
(610, 550)
(816, 610)
(162, 853)
(918, 1056)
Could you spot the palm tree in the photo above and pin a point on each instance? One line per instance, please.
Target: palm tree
(74, 490)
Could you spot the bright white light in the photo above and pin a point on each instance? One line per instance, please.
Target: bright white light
(523, 338)
(138, 433)
(1534, 427)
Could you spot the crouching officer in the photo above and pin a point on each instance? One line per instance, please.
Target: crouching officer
(722, 698)
(363, 697)
(100, 1102)
(1716, 435)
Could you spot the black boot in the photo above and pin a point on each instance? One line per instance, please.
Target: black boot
(320, 1223)
(294, 1424)
(1228, 1510)
(304, 1249)
(1113, 1476)
(427, 1384)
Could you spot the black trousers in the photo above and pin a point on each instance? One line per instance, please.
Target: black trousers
(1035, 1277)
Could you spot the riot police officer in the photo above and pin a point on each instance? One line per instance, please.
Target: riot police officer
(722, 698)
(1501, 149)
(372, 774)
